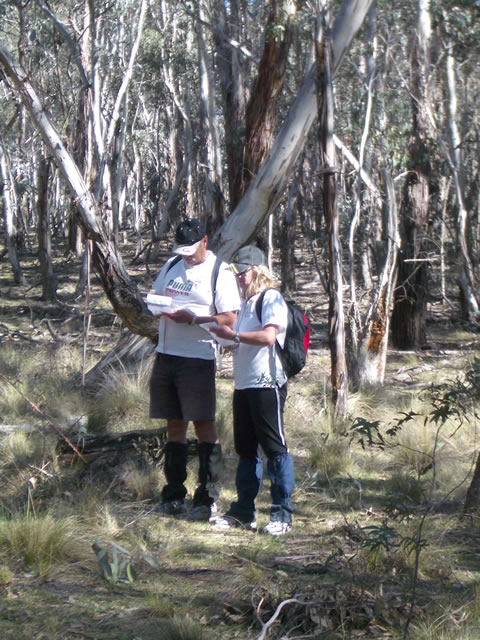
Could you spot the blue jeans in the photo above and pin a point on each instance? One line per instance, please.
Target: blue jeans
(249, 480)
(282, 479)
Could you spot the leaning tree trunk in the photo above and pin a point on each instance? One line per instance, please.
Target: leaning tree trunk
(336, 319)
(119, 288)
(262, 111)
(267, 186)
(410, 308)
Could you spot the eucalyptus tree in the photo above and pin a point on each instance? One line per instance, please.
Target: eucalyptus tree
(261, 197)
(326, 117)
(410, 305)
(262, 107)
(9, 200)
(166, 128)
(458, 38)
(214, 200)
(48, 276)
(267, 187)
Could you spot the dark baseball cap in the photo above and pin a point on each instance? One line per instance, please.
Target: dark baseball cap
(247, 257)
(188, 235)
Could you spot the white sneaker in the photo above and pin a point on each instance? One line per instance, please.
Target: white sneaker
(202, 513)
(229, 522)
(277, 528)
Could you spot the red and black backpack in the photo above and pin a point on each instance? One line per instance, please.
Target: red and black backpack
(297, 337)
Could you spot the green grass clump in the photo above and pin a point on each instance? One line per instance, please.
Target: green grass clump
(16, 450)
(6, 574)
(121, 401)
(182, 628)
(40, 541)
(159, 605)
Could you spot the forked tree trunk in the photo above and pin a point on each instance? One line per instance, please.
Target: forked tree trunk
(372, 350)
(267, 186)
(262, 195)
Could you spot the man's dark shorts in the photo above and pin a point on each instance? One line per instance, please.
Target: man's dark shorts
(182, 388)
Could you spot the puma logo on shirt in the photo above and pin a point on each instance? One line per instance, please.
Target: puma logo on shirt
(180, 287)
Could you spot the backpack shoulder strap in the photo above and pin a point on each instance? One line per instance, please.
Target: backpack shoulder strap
(173, 262)
(258, 309)
(215, 272)
(259, 302)
(259, 306)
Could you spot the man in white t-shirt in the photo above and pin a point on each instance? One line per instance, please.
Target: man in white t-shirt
(182, 386)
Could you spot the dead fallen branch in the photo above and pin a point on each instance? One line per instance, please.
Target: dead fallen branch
(42, 414)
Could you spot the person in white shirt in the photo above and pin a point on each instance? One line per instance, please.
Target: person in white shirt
(182, 385)
(259, 397)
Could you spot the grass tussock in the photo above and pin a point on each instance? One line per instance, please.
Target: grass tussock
(40, 541)
(39, 385)
(182, 628)
(143, 483)
(121, 400)
(159, 605)
(17, 449)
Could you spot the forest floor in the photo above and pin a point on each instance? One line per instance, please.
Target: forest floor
(379, 549)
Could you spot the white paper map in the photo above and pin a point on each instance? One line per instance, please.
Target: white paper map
(221, 341)
(159, 304)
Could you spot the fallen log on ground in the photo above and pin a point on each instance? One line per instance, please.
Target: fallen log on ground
(147, 443)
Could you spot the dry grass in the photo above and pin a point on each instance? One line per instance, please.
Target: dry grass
(347, 566)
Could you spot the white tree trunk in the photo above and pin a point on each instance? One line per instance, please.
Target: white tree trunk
(213, 204)
(9, 208)
(372, 350)
(467, 279)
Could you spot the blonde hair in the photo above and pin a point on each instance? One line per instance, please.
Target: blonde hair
(262, 279)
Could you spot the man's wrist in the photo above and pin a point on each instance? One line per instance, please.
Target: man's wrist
(236, 338)
(193, 321)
